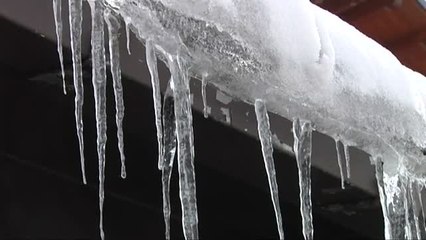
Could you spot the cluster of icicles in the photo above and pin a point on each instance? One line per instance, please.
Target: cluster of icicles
(400, 197)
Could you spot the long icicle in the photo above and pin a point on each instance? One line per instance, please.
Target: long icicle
(422, 211)
(418, 210)
(114, 55)
(348, 161)
(185, 139)
(302, 133)
(57, 13)
(340, 162)
(99, 87)
(265, 137)
(395, 195)
(382, 194)
(75, 20)
(204, 96)
(410, 222)
(169, 151)
(151, 60)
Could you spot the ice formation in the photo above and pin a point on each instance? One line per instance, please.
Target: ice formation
(289, 57)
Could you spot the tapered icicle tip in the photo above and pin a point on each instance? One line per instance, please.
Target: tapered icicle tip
(340, 163)
(113, 25)
(265, 137)
(151, 60)
(57, 13)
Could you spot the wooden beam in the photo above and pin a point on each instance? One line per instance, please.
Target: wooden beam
(364, 8)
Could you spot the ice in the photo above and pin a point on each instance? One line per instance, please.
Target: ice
(99, 88)
(204, 96)
(113, 24)
(57, 13)
(382, 194)
(127, 37)
(340, 163)
(305, 63)
(420, 215)
(169, 139)
(265, 137)
(151, 60)
(75, 20)
(185, 141)
(302, 133)
(348, 160)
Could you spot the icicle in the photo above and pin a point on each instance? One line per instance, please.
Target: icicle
(348, 161)
(57, 13)
(75, 19)
(302, 133)
(410, 223)
(114, 55)
(99, 87)
(128, 36)
(185, 139)
(204, 96)
(422, 225)
(151, 60)
(418, 211)
(168, 153)
(395, 195)
(340, 162)
(382, 194)
(265, 137)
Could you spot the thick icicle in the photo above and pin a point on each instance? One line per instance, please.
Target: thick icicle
(348, 161)
(418, 210)
(57, 13)
(265, 137)
(75, 19)
(410, 223)
(168, 153)
(340, 162)
(99, 87)
(114, 57)
(185, 139)
(151, 60)
(395, 195)
(302, 133)
(382, 194)
(204, 96)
